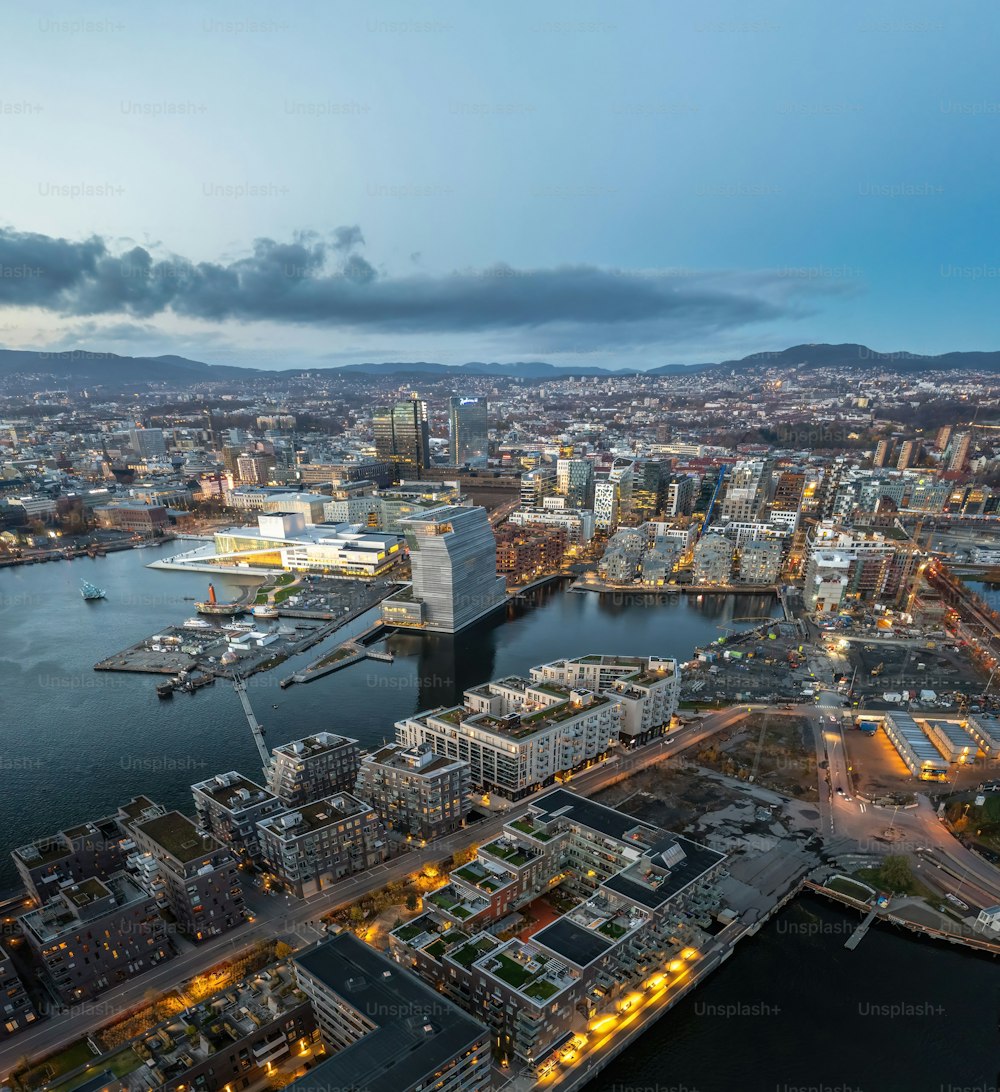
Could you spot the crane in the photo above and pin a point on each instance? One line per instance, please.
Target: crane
(240, 686)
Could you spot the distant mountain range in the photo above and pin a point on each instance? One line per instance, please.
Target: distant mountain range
(83, 368)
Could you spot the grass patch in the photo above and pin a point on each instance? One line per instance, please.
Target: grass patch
(282, 594)
(284, 578)
(512, 973)
(542, 990)
(849, 888)
(64, 1061)
(610, 929)
(121, 1064)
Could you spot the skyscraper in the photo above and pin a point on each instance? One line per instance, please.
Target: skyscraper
(147, 442)
(468, 431)
(961, 442)
(402, 437)
(454, 562)
(575, 481)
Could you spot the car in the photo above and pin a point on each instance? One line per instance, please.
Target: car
(669, 739)
(840, 789)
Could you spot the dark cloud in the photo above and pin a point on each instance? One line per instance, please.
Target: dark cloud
(314, 281)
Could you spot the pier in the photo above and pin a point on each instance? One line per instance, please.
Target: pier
(859, 934)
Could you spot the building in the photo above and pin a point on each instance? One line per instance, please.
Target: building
(454, 563)
(536, 485)
(97, 934)
(760, 562)
(468, 431)
(402, 437)
(713, 560)
(412, 499)
(748, 490)
(147, 442)
(909, 454)
(47, 865)
(525, 551)
(311, 847)
(133, 516)
(961, 442)
(577, 522)
(16, 1010)
(607, 505)
(517, 735)
(230, 1041)
(575, 482)
(255, 468)
(647, 688)
(385, 1030)
(985, 730)
(313, 767)
(190, 873)
(415, 791)
(284, 541)
(883, 452)
(680, 497)
(228, 807)
(919, 755)
(952, 740)
(640, 906)
(826, 579)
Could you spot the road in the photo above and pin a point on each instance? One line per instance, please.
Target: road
(285, 917)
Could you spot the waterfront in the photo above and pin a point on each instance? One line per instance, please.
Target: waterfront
(76, 742)
(793, 1009)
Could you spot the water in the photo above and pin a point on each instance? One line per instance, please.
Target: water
(793, 1009)
(75, 743)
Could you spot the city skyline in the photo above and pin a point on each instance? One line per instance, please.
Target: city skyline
(424, 199)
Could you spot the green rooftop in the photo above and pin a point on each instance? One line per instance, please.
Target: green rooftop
(178, 836)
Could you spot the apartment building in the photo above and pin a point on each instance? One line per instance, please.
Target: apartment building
(647, 688)
(517, 736)
(95, 935)
(524, 552)
(16, 1009)
(229, 806)
(713, 560)
(415, 791)
(313, 767)
(309, 848)
(760, 562)
(385, 1029)
(640, 904)
(578, 523)
(189, 873)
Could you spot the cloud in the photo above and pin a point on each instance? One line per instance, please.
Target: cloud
(324, 282)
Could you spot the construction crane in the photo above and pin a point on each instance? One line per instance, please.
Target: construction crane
(240, 686)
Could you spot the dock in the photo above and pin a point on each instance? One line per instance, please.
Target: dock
(859, 934)
(351, 651)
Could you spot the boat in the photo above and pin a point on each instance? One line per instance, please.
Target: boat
(211, 605)
(90, 591)
(197, 623)
(264, 610)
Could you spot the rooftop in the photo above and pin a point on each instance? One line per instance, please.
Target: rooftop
(315, 816)
(232, 789)
(418, 1031)
(178, 836)
(311, 746)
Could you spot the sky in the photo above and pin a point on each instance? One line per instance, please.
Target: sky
(622, 184)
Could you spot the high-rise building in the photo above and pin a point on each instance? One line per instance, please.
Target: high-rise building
(607, 505)
(402, 436)
(310, 848)
(536, 485)
(575, 481)
(414, 790)
(909, 454)
(942, 438)
(468, 431)
(623, 474)
(316, 766)
(680, 497)
(16, 1009)
(229, 806)
(883, 449)
(961, 443)
(147, 442)
(254, 468)
(453, 556)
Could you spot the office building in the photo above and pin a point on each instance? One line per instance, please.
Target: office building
(254, 468)
(190, 873)
(385, 1030)
(147, 442)
(95, 935)
(517, 735)
(415, 791)
(607, 505)
(133, 517)
(313, 767)
(402, 437)
(681, 493)
(454, 564)
(311, 847)
(468, 431)
(536, 485)
(228, 807)
(575, 482)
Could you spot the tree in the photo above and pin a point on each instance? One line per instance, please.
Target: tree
(356, 914)
(412, 901)
(896, 874)
(282, 950)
